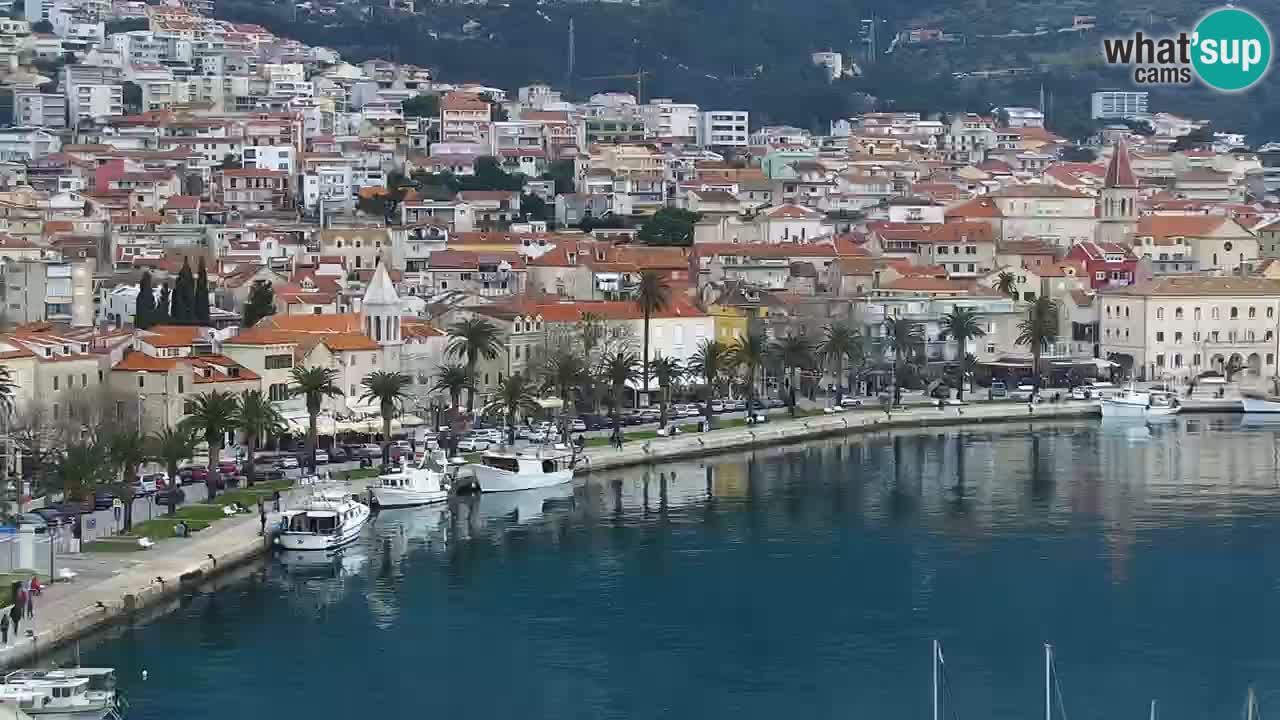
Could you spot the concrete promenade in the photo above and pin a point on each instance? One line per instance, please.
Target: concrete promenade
(67, 611)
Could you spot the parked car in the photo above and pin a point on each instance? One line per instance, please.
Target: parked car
(269, 473)
(850, 402)
(493, 435)
(189, 474)
(578, 425)
(539, 435)
(689, 410)
(403, 444)
(289, 462)
(322, 457)
(33, 523)
(52, 515)
(998, 390)
(372, 451)
(337, 454)
(649, 416)
(596, 422)
(717, 406)
(774, 403)
(174, 496)
(1023, 393)
(228, 467)
(103, 500)
(147, 484)
(472, 443)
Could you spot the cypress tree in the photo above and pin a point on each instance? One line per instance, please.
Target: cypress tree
(261, 303)
(184, 293)
(161, 314)
(144, 315)
(201, 300)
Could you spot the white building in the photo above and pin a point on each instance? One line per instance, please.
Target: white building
(724, 128)
(38, 109)
(666, 118)
(1180, 326)
(27, 143)
(91, 102)
(271, 157)
(1118, 104)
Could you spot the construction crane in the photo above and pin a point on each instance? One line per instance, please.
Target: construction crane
(638, 76)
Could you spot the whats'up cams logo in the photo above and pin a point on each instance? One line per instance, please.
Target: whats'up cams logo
(1229, 50)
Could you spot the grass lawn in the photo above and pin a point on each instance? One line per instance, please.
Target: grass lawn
(202, 512)
(163, 527)
(13, 576)
(357, 474)
(248, 496)
(112, 546)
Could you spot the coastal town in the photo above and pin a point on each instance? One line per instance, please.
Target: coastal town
(254, 293)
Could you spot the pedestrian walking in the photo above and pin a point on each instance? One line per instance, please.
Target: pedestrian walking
(275, 501)
(15, 612)
(4, 629)
(262, 516)
(31, 607)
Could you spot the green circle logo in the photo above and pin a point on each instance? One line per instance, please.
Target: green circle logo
(1231, 49)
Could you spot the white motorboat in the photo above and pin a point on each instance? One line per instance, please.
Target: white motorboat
(1259, 403)
(420, 483)
(1134, 403)
(69, 694)
(529, 468)
(329, 520)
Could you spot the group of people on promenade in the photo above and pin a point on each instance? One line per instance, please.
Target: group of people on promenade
(22, 605)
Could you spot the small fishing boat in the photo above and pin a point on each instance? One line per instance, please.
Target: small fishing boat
(526, 469)
(1134, 403)
(420, 483)
(329, 520)
(68, 694)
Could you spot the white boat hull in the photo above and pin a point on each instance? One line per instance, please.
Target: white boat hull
(350, 531)
(1260, 405)
(1117, 408)
(491, 479)
(387, 498)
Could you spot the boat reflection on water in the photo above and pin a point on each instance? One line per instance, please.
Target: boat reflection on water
(476, 513)
(316, 580)
(398, 531)
(1130, 429)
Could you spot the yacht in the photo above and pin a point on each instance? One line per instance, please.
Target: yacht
(526, 469)
(330, 519)
(1254, 402)
(420, 483)
(70, 694)
(1134, 403)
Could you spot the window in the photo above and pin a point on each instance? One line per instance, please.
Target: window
(1195, 360)
(279, 362)
(84, 380)
(1271, 359)
(55, 383)
(1271, 312)
(1159, 361)
(1213, 314)
(1159, 337)
(1197, 313)
(278, 392)
(1177, 360)
(1126, 311)
(353, 392)
(943, 249)
(142, 381)
(1159, 313)
(1177, 337)
(1268, 336)
(1235, 313)
(1177, 313)
(181, 384)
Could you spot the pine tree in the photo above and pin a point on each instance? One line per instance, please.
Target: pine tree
(160, 315)
(144, 315)
(201, 300)
(184, 293)
(261, 303)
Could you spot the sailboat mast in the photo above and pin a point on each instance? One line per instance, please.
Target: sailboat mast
(1048, 687)
(935, 679)
(1153, 710)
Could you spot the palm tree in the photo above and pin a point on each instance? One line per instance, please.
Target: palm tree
(652, 296)
(452, 379)
(750, 351)
(708, 362)
(128, 450)
(592, 332)
(1039, 330)
(793, 352)
(905, 339)
(390, 390)
(618, 369)
(315, 384)
(1007, 283)
(667, 372)
(7, 389)
(515, 396)
(964, 369)
(172, 446)
(839, 343)
(963, 324)
(564, 372)
(213, 414)
(258, 419)
(472, 339)
(83, 465)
